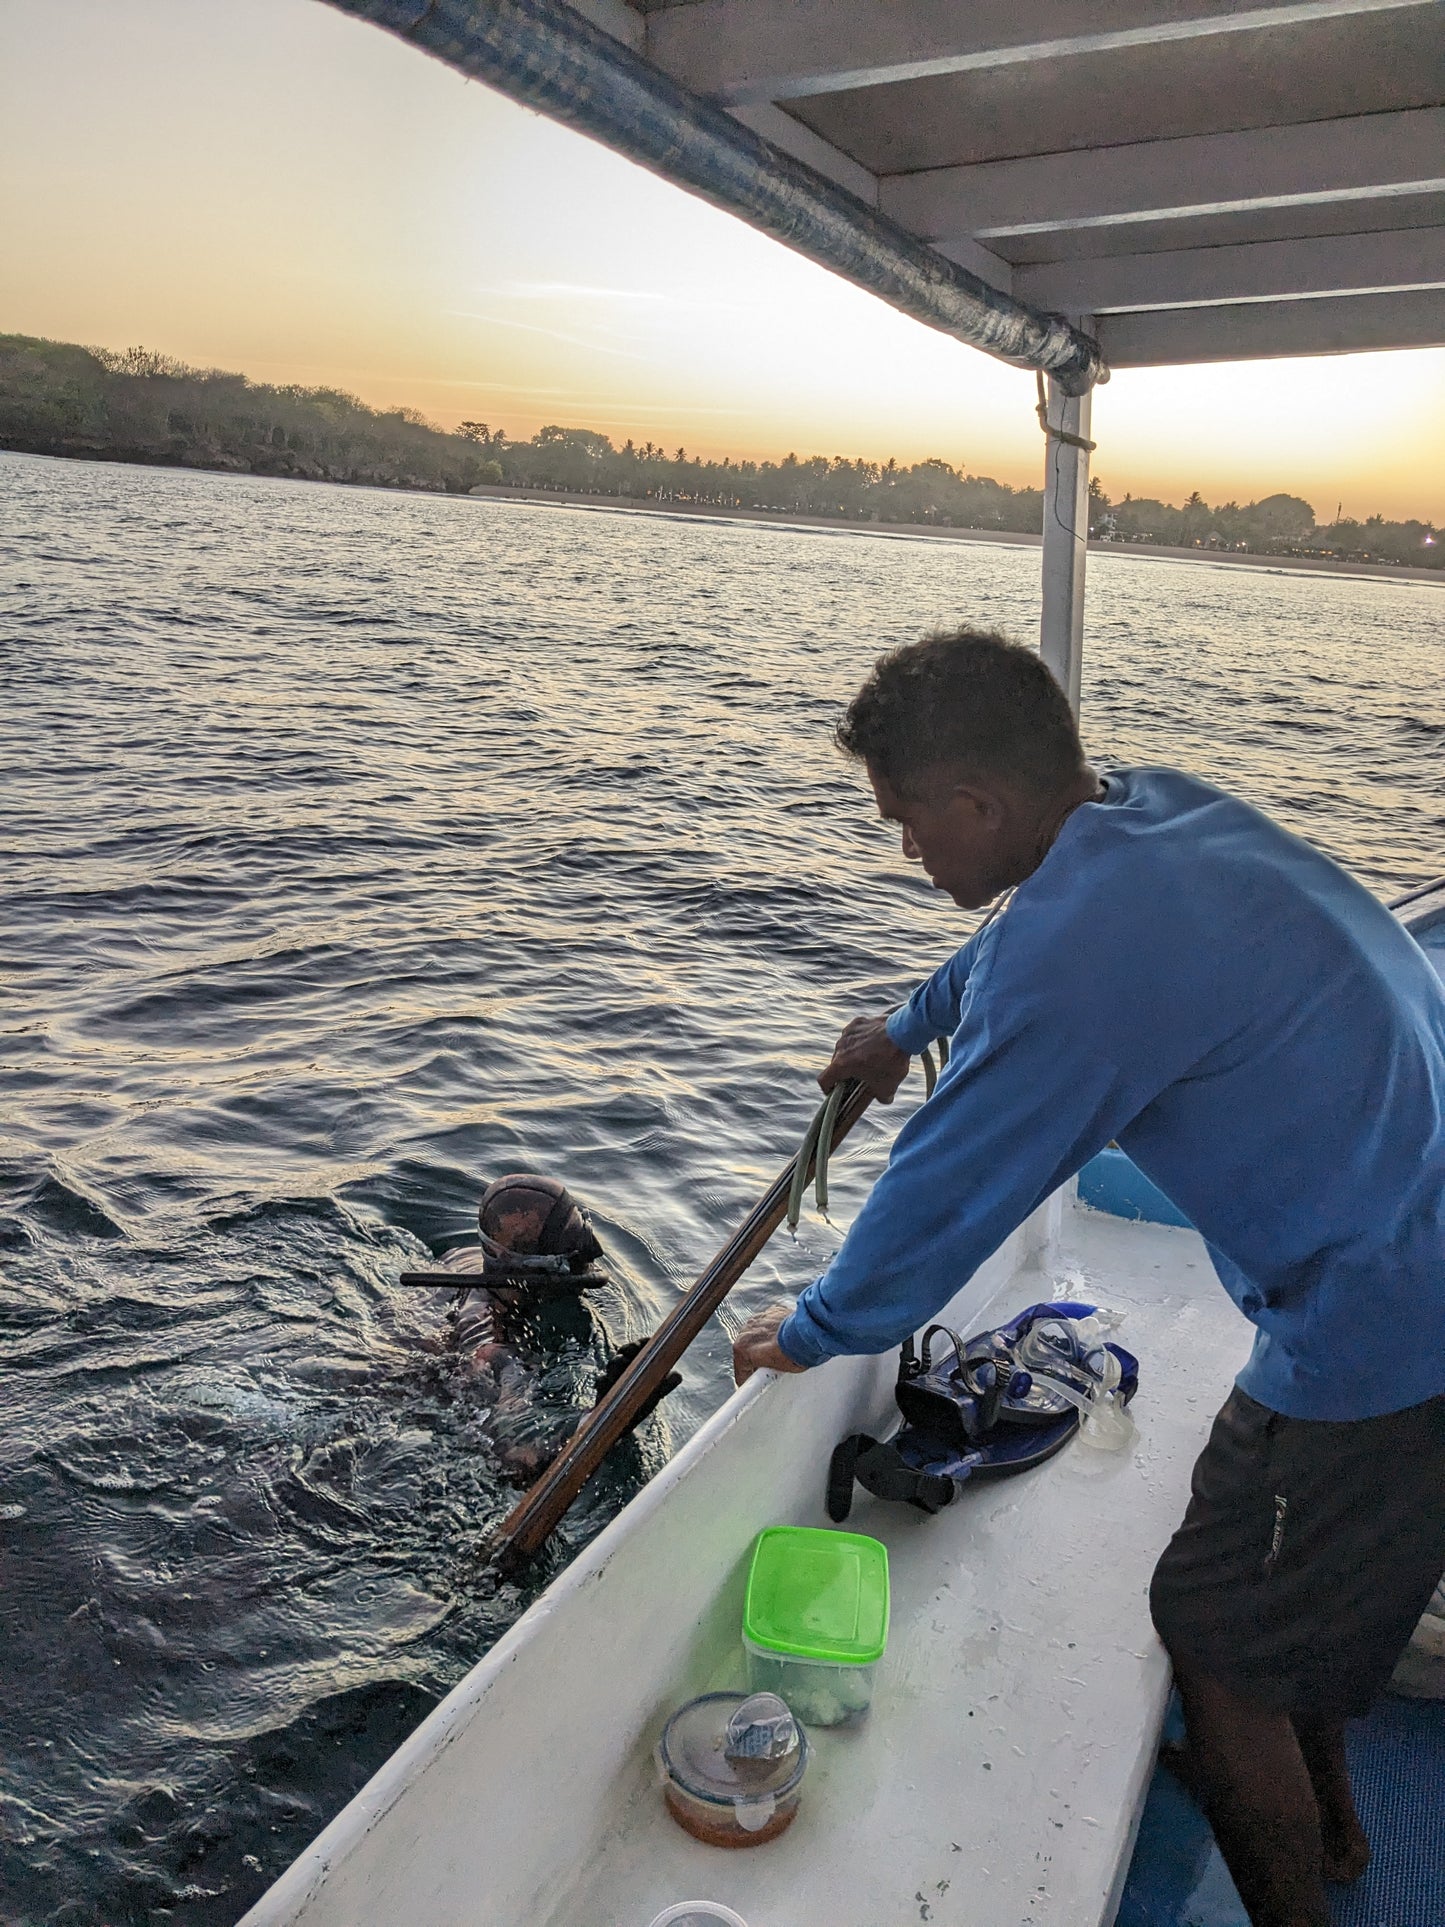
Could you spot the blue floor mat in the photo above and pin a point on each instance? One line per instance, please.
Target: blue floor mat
(1397, 1766)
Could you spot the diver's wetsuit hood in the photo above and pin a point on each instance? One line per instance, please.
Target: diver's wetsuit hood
(533, 1232)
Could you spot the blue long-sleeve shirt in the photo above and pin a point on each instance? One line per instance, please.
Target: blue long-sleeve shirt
(1259, 1034)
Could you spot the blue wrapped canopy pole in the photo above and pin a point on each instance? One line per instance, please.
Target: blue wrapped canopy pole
(548, 57)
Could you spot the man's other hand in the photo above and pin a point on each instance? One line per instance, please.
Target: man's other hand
(756, 1347)
(867, 1052)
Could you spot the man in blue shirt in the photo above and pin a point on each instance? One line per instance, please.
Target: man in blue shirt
(1175, 972)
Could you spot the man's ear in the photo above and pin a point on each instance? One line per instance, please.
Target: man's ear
(986, 805)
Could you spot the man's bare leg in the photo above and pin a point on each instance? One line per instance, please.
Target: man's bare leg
(1249, 1771)
(1346, 1850)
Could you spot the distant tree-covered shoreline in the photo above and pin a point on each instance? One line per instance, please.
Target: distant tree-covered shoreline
(140, 406)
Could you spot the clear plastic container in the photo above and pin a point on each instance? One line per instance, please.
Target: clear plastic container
(732, 1767)
(815, 1623)
(820, 1693)
(698, 1913)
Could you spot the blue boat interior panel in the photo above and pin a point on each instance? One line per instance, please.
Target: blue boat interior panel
(1113, 1182)
(1397, 1763)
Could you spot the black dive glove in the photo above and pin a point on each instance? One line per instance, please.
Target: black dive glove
(618, 1364)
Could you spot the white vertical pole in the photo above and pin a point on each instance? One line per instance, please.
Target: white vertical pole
(1066, 537)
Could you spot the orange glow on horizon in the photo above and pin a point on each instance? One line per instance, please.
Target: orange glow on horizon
(284, 191)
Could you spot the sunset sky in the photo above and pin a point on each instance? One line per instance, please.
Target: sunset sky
(269, 186)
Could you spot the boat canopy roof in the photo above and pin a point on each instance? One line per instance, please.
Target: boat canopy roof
(1210, 179)
(1069, 184)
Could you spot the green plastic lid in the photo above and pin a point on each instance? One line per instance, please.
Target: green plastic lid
(818, 1595)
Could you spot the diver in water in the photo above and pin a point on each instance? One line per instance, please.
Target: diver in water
(536, 1250)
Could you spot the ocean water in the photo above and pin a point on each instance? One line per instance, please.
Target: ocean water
(358, 847)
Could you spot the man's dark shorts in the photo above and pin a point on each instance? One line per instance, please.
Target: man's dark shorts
(1309, 1550)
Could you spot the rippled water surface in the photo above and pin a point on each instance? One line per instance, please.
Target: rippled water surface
(358, 847)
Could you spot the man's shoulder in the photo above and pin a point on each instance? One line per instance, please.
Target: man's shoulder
(1156, 792)
(1177, 831)
(1166, 868)
(1156, 835)
(1170, 868)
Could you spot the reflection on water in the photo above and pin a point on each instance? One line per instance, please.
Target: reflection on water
(359, 847)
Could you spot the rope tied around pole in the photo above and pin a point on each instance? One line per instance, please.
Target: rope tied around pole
(1057, 434)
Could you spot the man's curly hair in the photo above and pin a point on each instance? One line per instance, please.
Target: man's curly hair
(962, 703)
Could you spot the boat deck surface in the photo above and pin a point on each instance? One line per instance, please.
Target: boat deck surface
(998, 1779)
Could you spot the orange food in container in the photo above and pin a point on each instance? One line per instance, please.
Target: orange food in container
(732, 1767)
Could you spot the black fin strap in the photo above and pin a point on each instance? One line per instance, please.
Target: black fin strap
(841, 1472)
(953, 1338)
(880, 1469)
(992, 1396)
(882, 1472)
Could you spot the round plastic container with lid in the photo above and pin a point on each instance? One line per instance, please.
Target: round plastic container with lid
(732, 1767)
(697, 1913)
